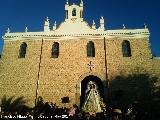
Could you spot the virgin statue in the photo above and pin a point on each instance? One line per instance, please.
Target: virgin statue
(93, 101)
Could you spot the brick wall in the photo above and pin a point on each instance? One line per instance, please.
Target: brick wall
(60, 76)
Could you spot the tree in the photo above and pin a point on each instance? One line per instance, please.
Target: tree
(10, 105)
(137, 88)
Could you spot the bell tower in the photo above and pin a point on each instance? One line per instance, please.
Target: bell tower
(74, 12)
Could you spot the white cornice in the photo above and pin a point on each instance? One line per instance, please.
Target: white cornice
(76, 27)
(127, 33)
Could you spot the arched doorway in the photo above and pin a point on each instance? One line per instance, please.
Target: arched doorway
(84, 84)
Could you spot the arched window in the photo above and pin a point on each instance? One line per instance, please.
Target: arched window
(55, 50)
(22, 50)
(126, 49)
(74, 12)
(90, 49)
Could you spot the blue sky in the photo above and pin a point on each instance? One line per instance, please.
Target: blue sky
(17, 14)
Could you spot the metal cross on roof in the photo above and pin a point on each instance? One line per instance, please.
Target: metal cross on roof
(91, 65)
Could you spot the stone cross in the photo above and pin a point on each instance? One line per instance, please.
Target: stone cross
(91, 66)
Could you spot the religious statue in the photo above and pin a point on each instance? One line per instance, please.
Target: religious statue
(93, 102)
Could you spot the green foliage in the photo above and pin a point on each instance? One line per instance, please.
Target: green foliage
(137, 89)
(133, 88)
(10, 105)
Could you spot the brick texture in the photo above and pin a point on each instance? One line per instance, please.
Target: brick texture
(58, 77)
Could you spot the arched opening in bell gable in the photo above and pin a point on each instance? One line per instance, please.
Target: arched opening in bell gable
(74, 12)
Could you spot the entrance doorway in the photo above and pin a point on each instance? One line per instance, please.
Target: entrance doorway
(84, 85)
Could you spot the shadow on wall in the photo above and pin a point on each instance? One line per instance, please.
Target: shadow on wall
(12, 105)
(136, 88)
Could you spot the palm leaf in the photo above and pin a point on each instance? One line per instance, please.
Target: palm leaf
(18, 103)
(10, 105)
(6, 103)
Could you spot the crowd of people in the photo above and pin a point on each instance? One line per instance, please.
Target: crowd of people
(52, 111)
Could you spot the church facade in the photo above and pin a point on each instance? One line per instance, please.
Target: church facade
(58, 63)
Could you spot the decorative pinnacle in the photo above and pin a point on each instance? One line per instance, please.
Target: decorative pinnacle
(93, 23)
(47, 19)
(81, 4)
(55, 24)
(124, 27)
(8, 30)
(102, 20)
(67, 2)
(145, 26)
(102, 17)
(26, 29)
